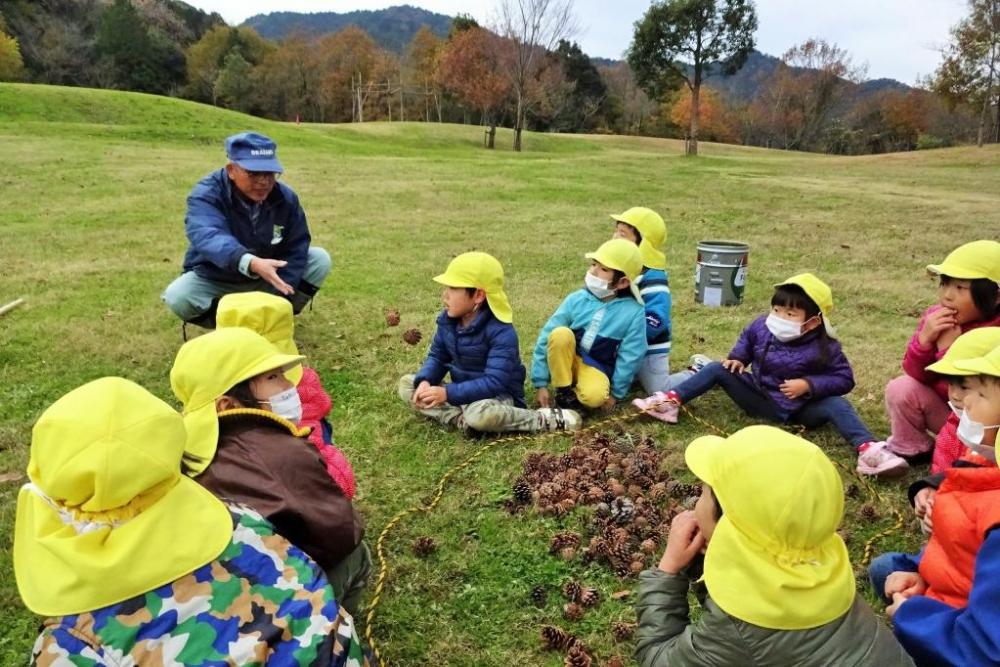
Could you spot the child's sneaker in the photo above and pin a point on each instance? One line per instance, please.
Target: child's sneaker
(659, 406)
(698, 361)
(557, 419)
(875, 458)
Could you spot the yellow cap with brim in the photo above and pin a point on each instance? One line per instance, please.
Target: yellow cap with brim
(269, 315)
(205, 369)
(774, 559)
(988, 364)
(481, 271)
(978, 259)
(970, 345)
(107, 514)
(819, 292)
(621, 255)
(653, 231)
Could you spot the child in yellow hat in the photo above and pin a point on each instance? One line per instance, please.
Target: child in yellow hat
(111, 541)
(645, 228)
(236, 394)
(786, 367)
(780, 587)
(592, 347)
(968, 298)
(945, 612)
(272, 317)
(476, 345)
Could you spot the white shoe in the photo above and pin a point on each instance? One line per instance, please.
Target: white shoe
(699, 361)
(558, 419)
(878, 459)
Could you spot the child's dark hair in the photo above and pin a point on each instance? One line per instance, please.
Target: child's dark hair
(793, 296)
(955, 380)
(984, 295)
(990, 379)
(615, 277)
(242, 393)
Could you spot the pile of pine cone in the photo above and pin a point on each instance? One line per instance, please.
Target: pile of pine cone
(619, 477)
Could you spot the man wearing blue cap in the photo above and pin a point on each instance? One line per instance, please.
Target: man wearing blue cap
(246, 232)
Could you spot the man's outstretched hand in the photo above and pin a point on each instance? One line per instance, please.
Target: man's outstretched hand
(267, 269)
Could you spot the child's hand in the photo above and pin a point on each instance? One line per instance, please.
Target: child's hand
(794, 388)
(937, 323)
(897, 600)
(906, 584)
(542, 396)
(923, 501)
(683, 544)
(734, 366)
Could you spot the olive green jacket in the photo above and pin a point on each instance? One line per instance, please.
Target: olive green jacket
(666, 636)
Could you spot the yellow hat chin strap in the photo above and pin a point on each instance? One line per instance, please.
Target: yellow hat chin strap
(88, 522)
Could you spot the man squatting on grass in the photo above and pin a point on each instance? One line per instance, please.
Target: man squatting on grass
(247, 232)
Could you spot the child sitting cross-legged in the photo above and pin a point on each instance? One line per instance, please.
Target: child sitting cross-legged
(778, 587)
(476, 344)
(786, 367)
(945, 612)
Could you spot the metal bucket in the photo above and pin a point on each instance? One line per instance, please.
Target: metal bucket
(721, 273)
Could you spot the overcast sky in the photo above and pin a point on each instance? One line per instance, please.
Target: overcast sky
(899, 39)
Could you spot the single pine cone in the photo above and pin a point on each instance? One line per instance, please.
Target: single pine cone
(578, 657)
(392, 317)
(572, 611)
(412, 336)
(680, 490)
(557, 639)
(522, 491)
(567, 553)
(622, 510)
(588, 597)
(636, 567)
(571, 590)
(424, 546)
(647, 546)
(622, 631)
(539, 596)
(869, 513)
(563, 539)
(658, 492)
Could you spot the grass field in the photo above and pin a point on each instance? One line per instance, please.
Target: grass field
(93, 205)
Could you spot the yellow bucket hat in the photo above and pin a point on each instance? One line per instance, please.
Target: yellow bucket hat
(653, 231)
(988, 364)
(107, 514)
(208, 366)
(819, 292)
(970, 345)
(774, 559)
(621, 255)
(481, 271)
(978, 259)
(269, 315)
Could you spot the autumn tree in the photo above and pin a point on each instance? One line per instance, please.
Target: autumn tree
(530, 28)
(970, 72)
(716, 123)
(206, 58)
(467, 67)
(420, 63)
(629, 107)
(352, 70)
(11, 64)
(290, 82)
(688, 41)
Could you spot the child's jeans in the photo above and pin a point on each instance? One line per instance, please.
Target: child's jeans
(882, 566)
(741, 389)
(914, 409)
(591, 386)
(491, 415)
(654, 374)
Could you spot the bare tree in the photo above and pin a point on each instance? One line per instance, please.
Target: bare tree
(531, 29)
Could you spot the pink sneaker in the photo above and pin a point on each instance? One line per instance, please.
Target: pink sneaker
(658, 406)
(878, 459)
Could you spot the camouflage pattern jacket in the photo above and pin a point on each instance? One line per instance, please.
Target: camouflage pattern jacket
(262, 601)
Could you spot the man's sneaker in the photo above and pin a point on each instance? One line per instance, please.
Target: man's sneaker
(659, 406)
(698, 361)
(557, 419)
(875, 458)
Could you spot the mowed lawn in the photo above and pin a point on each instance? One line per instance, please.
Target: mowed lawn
(93, 193)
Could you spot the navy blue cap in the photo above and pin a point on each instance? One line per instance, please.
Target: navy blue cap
(253, 152)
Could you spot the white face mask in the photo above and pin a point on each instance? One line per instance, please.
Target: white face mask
(957, 411)
(782, 329)
(287, 404)
(971, 433)
(597, 287)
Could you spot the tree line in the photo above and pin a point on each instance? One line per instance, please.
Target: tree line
(524, 72)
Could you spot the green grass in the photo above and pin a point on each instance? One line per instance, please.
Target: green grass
(93, 204)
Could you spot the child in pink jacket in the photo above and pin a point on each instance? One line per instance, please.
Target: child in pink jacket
(271, 317)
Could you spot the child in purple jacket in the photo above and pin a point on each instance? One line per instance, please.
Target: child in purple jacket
(786, 367)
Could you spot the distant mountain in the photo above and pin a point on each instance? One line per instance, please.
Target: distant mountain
(391, 28)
